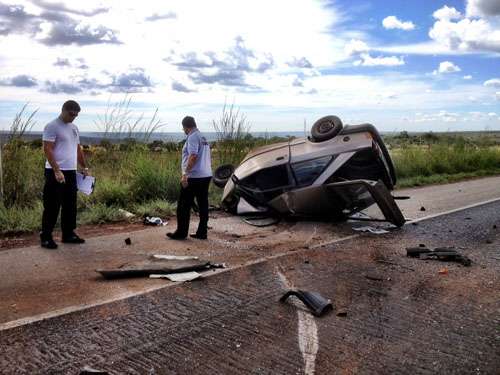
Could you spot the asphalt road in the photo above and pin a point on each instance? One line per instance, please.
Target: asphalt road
(36, 283)
(403, 315)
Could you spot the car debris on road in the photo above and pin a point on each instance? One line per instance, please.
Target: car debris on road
(370, 229)
(331, 175)
(152, 220)
(177, 277)
(446, 254)
(158, 266)
(313, 300)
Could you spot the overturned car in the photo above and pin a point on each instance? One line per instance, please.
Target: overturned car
(333, 174)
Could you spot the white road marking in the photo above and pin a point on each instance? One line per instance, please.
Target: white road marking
(307, 332)
(453, 211)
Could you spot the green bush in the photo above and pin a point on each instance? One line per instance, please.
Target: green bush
(111, 192)
(152, 179)
(20, 219)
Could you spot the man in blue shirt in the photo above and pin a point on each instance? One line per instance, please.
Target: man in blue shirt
(195, 181)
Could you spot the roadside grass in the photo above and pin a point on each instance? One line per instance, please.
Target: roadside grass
(156, 207)
(16, 220)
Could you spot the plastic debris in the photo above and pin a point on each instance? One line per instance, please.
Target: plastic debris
(178, 277)
(370, 229)
(153, 220)
(443, 271)
(261, 221)
(89, 370)
(314, 301)
(175, 257)
(446, 254)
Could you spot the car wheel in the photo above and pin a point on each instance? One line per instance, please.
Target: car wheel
(222, 174)
(326, 128)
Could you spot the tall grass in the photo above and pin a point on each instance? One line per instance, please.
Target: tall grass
(120, 122)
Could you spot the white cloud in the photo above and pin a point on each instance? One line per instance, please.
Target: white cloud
(367, 60)
(468, 77)
(392, 22)
(479, 8)
(478, 35)
(355, 46)
(446, 67)
(495, 82)
(447, 13)
(497, 95)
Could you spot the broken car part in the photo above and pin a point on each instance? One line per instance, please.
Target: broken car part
(314, 301)
(177, 277)
(153, 221)
(157, 266)
(261, 221)
(447, 254)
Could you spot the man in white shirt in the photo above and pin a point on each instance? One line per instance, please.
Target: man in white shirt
(61, 145)
(195, 181)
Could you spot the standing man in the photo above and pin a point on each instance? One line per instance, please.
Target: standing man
(195, 180)
(61, 145)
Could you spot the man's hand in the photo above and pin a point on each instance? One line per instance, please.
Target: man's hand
(59, 177)
(184, 181)
(86, 172)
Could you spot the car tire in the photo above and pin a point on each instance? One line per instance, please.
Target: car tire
(222, 174)
(326, 128)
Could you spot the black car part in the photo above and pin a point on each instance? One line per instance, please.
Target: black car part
(314, 301)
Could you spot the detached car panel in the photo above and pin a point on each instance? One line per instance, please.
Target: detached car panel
(331, 178)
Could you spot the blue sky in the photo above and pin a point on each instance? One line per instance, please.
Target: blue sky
(401, 65)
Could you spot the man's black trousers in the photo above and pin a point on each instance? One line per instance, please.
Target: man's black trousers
(197, 188)
(59, 196)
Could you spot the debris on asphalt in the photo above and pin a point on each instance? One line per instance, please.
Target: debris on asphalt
(175, 257)
(89, 370)
(341, 312)
(261, 221)
(128, 241)
(422, 208)
(178, 277)
(158, 266)
(314, 301)
(443, 271)
(375, 277)
(370, 229)
(153, 220)
(446, 254)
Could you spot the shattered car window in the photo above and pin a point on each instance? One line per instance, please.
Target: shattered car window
(307, 171)
(268, 179)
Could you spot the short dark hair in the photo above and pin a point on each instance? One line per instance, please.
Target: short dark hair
(188, 122)
(71, 105)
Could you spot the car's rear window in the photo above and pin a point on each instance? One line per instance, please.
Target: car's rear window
(306, 172)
